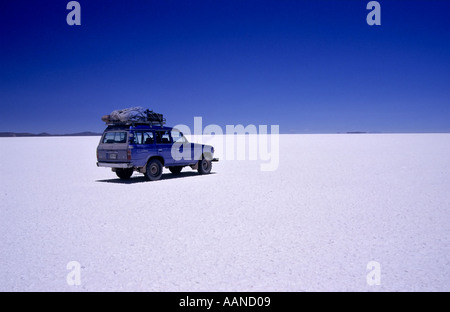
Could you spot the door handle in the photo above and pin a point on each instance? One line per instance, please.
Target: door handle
(160, 150)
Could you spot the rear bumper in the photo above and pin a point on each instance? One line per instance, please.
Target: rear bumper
(114, 165)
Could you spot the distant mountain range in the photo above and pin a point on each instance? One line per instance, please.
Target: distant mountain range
(44, 134)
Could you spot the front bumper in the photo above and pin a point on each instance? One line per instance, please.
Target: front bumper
(114, 165)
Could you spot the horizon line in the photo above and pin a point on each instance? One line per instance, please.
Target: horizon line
(10, 134)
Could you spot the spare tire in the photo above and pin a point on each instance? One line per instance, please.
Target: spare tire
(124, 173)
(175, 169)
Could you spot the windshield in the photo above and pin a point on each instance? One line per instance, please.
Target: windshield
(178, 137)
(115, 137)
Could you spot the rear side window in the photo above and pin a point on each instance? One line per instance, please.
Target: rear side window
(142, 137)
(115, 137)
(163, 137)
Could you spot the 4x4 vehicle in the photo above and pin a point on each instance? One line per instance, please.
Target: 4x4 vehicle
(147, 148)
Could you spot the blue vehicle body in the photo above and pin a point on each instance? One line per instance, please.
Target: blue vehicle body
(128, 148)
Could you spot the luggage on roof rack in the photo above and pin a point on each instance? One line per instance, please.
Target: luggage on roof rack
(134, 115)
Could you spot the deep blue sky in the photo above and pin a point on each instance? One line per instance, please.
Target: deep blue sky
(309, 66)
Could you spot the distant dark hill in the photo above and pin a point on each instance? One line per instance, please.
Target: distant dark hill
(44, 134)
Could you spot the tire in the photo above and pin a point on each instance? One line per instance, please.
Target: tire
(175, 169)
(124, 174)
(154, 170)
(204, 166)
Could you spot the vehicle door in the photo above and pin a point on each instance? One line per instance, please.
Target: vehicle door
(164, 146)
(143, 146)
(182, 148)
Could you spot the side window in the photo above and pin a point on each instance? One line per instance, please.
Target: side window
(115, 137)
(148, 138)
(163, 137)
(137, 137)
(141, 137)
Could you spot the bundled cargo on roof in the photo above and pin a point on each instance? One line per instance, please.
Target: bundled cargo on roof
(128, 114)
(134, 115)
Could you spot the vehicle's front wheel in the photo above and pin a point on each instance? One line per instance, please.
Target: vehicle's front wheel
(124, 173)
(154, 170)
(175, 169)
(204, 166)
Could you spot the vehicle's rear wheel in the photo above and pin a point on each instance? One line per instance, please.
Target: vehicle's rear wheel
(175, 169)
(154, 170)
(124, 173)
(204, 166)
